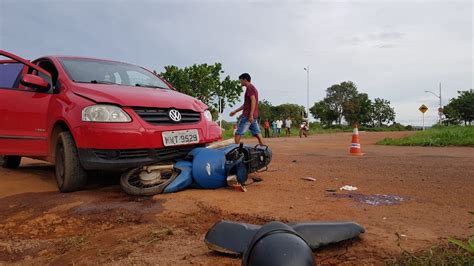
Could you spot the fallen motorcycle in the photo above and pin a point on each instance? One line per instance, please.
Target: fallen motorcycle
(208, 168)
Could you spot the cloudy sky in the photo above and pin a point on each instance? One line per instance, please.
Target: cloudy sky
(391, 49)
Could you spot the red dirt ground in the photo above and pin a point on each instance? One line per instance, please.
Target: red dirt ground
(104, 225)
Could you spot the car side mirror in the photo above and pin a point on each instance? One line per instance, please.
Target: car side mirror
(36, 82)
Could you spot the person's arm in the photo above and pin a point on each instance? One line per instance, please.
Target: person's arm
(237, 110)
(253, 103)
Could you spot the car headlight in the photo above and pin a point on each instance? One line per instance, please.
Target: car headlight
(105, 113)
(208, 115)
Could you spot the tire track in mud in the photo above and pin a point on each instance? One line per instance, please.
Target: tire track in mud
(50, 227)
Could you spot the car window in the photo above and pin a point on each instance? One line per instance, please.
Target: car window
(135, 77)
(10, 73)
(84, 70)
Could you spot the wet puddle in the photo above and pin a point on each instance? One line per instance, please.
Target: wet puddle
(373, 200)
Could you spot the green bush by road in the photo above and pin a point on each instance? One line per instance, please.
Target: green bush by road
(437, 136)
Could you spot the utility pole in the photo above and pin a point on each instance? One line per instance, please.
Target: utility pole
(307, 95)
(440, 109)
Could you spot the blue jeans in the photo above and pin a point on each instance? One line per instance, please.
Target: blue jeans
(245, 125)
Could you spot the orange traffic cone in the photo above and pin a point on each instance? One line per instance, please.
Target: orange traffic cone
(355, 146)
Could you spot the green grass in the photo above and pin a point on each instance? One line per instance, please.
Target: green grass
(438, 255)
(438, 136)
(314, 129)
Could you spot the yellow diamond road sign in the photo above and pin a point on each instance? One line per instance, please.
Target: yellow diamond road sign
(423, 108)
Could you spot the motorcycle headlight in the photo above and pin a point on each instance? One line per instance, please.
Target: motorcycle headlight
(208, 115)
(105, 113)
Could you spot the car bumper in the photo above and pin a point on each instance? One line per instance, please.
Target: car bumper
(113, 160)
(116, 137)
(117, 147)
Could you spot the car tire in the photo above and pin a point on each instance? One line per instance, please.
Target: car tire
(11, 162)
(70, 175)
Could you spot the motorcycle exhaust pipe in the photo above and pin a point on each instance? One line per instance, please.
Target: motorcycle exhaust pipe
(220, 144)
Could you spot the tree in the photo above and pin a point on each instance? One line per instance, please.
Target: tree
(461, 108)
(267, 111)
(322, 111)
(344, 101)
(381, 112)
(357, 109)
(204, 83)
(451, 113)
(293, 111)
(338, 94)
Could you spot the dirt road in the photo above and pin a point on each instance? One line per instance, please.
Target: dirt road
(432, 188)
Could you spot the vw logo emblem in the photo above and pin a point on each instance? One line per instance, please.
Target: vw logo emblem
(174, 115)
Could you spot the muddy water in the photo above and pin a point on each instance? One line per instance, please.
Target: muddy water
(373, 200)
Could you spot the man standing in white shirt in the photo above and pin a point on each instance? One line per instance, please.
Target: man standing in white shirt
(288, 126)
(279, 125)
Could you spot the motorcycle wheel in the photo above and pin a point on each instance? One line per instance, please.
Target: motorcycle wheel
(132, 184)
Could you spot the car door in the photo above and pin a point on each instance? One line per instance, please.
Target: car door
(23, 110)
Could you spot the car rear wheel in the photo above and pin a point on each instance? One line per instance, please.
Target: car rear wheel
(11, 162)
(70, 175)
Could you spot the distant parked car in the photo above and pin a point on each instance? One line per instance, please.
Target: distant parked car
(87, 114)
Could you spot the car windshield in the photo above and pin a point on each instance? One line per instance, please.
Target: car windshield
(106, 72)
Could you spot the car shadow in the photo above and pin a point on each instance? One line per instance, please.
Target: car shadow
(95, 179)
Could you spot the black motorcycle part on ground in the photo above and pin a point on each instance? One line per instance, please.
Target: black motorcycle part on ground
(277, 244)
(258, 158)
(234, 238)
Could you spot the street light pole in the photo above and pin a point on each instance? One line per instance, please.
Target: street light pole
(307, 95)
(440, 105)
(440, 102)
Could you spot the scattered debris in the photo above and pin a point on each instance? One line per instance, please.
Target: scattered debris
(234, 183)
(257, 179)
(240, 188)
(294, 161)
(331, 190)
(348, 188)
(308, 178)
(374, 200)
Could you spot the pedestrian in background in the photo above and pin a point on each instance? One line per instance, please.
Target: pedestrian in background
(266, 126)
(274, 127)
(279, 125)
(288, 127)
(304, 129)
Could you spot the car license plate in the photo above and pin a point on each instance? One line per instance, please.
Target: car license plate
(181, 137)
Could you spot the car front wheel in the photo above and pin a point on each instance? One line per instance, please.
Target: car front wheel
(70, 175)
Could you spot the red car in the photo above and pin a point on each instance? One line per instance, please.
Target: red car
(87, 114)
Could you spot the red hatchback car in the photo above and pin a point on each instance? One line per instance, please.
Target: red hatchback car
(87, 114)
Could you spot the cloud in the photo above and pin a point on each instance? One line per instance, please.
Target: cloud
(378, 39)
(391, 49)
(383, 46)
(385, 36)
